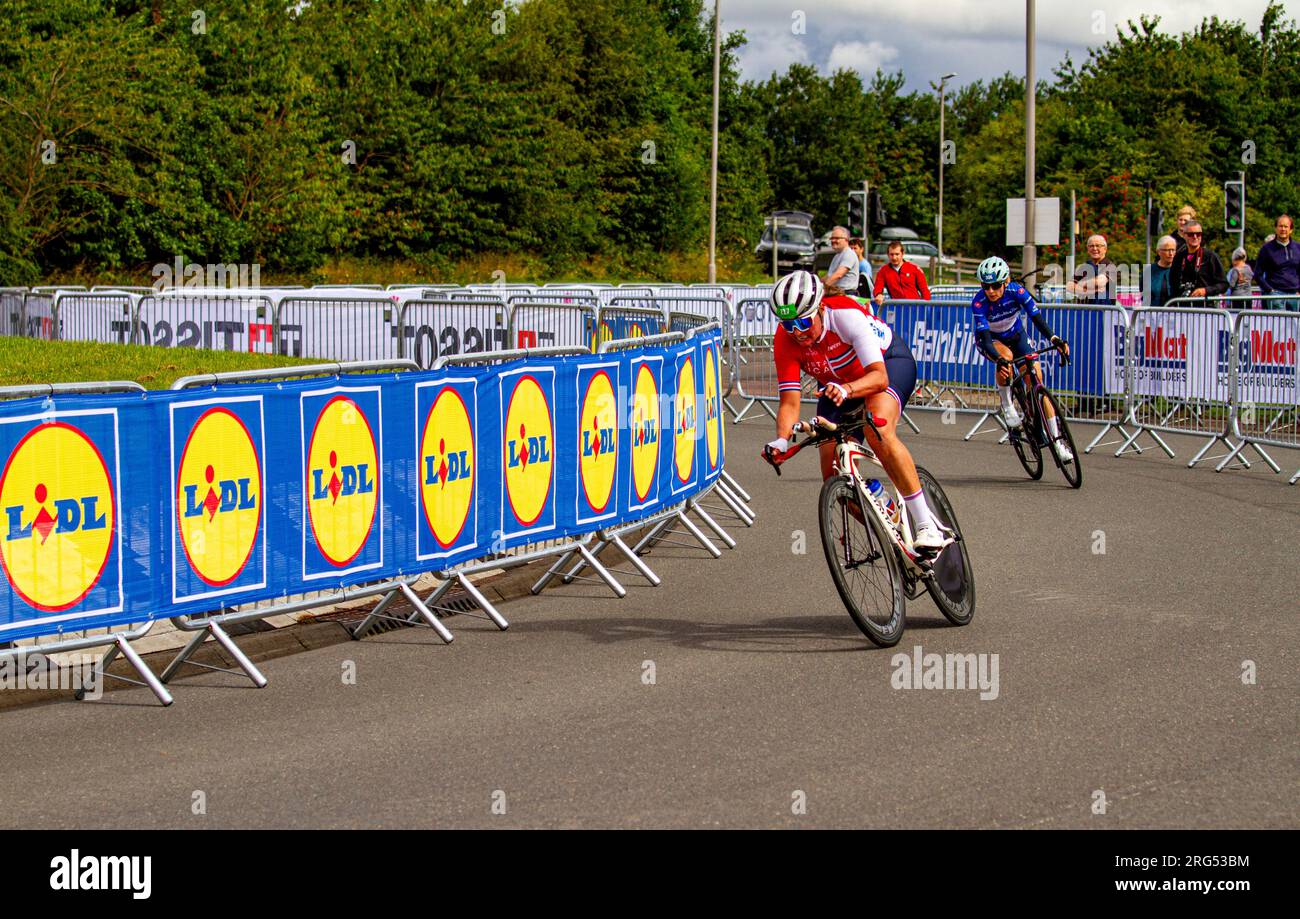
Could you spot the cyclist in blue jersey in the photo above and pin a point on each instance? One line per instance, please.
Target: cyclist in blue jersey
(1001, 336)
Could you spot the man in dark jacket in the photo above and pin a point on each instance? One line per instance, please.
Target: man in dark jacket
(1197, 272)
(1277, 267)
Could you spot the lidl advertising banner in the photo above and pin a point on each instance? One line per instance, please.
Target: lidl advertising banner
(123, 508)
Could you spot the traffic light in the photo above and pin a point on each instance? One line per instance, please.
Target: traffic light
(1155, 222)
(1234, 207)
(857, 213)
(878, 208)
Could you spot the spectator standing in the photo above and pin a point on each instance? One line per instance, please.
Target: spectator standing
(1094, 281)
(1161, 284)
(1240, 277)
(859, 246)
(843, 272)
(900, 278)
(1197, 271)
(1186, 215)
(1277, 266)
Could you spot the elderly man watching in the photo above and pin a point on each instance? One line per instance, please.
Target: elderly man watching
(843, 272)
(1277, 266)
(1094, 281)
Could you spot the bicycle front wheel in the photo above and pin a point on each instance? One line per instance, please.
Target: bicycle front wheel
(953, 584)
(1072, 470)
(863, 562)
(1023, 440)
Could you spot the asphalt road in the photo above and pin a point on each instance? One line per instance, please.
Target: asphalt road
(1119, 674)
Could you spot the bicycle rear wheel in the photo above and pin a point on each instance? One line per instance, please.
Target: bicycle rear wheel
(953, 584)
(863, 562)
(1072, 470)
(1023, 439)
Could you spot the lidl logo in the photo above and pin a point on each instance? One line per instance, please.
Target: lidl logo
(644, 422)
(448, 464)
(60, 516)
(711, 406)
(528, 448)
(219, 497)
(598, 442)
(684, 427)
(342, 480)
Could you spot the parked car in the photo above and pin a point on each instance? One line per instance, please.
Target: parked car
(917, 251)
(795, 250)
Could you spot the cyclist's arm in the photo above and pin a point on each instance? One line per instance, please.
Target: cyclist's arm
(1036, 316)
(787, 413)
(984, 341)
(855, 328)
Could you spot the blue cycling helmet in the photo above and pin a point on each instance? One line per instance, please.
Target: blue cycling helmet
(993, 270)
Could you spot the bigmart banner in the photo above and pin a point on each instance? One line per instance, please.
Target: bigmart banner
(124, 508)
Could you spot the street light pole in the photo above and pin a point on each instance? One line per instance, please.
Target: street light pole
(713, 181)
(1030, 258)
(943, 82)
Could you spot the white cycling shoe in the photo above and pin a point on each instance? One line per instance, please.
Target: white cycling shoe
(1011, 418)
(930, 538)
(1062, 452)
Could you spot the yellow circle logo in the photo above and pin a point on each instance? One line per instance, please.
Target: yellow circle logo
(598, 442)
(684, 433)
(342, 481)
(60, 517)
(447, 467)
(219, 497)
(711, 407)
(528, 451)
(645, 432)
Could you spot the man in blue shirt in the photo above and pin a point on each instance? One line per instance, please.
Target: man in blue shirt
(1277, 267)
(1094, 282)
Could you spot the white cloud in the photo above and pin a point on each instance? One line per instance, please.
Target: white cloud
(864, 57)
(980, 39)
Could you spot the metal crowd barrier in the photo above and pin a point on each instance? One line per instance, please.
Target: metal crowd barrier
(1180, 370)
(119, 638)
(210, 321)
(441, 327)
(37, 320)
(658, 526)
(340, 329)
(1266, 402)
(551, 324)
(92, 317)
(11, 310)
(1261, 301)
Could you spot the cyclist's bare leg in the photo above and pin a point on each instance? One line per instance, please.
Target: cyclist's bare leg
(895, 457)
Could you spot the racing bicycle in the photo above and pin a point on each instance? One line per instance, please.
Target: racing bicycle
(1031, 438)
(868, 545)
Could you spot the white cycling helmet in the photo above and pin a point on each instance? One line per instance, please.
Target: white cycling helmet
(993, 270)
(797, 295)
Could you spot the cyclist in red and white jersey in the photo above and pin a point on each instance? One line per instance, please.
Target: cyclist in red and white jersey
(859, 363)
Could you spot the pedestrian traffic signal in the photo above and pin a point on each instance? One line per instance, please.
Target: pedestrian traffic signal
(1155, 222)
(857, 213)
(1234, 206)
(878, 208)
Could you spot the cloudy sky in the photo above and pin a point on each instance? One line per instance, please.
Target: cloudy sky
(979, 39)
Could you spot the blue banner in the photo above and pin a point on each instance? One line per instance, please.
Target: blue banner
(123, 508)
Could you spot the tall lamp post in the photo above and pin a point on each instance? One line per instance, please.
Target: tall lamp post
(943, 82)
(713, 181)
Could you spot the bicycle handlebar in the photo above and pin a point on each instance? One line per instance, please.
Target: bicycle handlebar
(1033, 356)
(821, 431)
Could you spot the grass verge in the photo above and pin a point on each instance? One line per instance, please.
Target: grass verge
(25, 361)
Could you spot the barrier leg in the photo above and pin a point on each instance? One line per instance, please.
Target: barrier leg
(423, 611)
(552, 571)
(712, 525)
(577, 566)
(147, 678)
(736, 486)
(980, 424)
(602, 572)
(482, 601)
(636, 560)
(744, 411)
(910, 423)
(652, 537)
(1294, 477)
(222, 638)
(1206, 449)
(699, 534)
(737, 508)
(378, 612)
(1228, 459)
(1266, 458)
